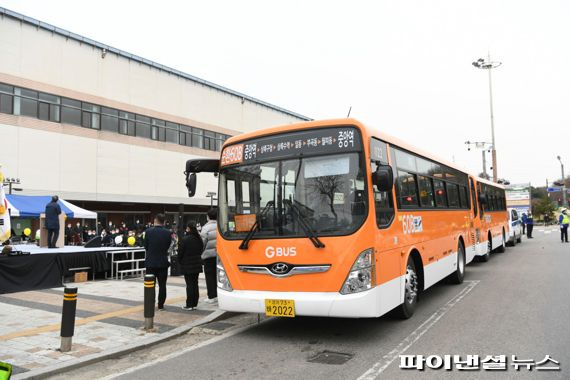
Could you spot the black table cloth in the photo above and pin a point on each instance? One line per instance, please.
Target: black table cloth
(45, 270)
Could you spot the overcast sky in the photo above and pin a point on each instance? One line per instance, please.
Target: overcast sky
(404, 66)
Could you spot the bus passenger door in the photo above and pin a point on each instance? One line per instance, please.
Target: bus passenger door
(475, 223)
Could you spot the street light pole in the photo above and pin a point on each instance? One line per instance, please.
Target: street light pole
(564, 204)
(489, 65)
(494, 151)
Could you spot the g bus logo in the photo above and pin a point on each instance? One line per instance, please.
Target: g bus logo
(412, 224)
(271, 252)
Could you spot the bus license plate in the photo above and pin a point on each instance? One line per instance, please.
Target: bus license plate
(280, 308)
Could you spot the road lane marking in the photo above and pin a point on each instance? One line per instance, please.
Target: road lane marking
(179, 353)
(405, 344)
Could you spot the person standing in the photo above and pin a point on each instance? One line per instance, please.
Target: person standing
(52, 221)
(156, 243)
(68, 234)
(529, 226)
(564, 221)
(209, 256)
(524, 220)
(190, 262)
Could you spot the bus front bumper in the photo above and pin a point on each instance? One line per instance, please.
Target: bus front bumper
(325, 304)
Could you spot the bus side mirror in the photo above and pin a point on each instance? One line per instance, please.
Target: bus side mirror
(191, 181)
(383, 178)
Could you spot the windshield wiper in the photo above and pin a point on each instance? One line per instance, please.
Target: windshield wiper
(245, 242)
(308, 230)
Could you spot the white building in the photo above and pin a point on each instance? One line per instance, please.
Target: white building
(108, 129)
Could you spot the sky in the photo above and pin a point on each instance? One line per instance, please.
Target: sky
(403, 66)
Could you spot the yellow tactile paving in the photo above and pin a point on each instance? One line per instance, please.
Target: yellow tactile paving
(82, 321)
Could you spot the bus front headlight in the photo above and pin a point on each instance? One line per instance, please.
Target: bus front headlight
(362, 275)
(223, 280)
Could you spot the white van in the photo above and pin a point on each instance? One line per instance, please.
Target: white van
(515, 227)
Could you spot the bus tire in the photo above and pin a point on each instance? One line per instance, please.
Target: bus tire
(501, 248)
(411, 290)
(457, 276)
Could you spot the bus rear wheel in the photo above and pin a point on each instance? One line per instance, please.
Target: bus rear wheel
(457, 276)
(407, 309)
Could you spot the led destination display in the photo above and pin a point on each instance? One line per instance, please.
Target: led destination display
(310, 142)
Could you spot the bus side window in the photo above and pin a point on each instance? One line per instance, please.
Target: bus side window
(383, 204)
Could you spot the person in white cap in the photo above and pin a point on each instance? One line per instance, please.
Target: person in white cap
(564, 220)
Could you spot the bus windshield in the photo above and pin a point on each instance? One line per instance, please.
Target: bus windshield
(324, 195)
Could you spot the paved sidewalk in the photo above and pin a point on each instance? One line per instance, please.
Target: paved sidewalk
(109, 315)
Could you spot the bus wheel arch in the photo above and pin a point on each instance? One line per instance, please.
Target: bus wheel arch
(501, 247)
(417, 258)
(457, 276)
(489, 248)
(413, 285)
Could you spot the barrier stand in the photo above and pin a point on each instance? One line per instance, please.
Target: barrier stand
(68, 318)
(149, 296)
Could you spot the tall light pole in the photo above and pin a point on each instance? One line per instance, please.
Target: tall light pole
(489, 65)
(564, 204)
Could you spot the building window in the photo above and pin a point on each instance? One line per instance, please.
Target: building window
(143, 126)
(90, 116)
(49, 107)
(171, 132)
(126, 123)
(198, 138)
(71, 111)
(157, 131)
(109, 120)
(6, 98)
(28, 103)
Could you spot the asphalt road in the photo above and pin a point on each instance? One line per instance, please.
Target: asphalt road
(516, 304)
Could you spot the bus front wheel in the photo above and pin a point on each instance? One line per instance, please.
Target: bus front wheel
(406, 310)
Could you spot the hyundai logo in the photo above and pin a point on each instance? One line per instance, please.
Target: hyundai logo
(280, 268)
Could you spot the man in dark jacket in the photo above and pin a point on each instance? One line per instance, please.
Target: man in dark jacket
(52, 221)
(156, 242)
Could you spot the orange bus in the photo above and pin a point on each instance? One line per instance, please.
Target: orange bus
(334, 218)
(490, 218)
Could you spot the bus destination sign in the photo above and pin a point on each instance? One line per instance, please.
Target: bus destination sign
(309, 142)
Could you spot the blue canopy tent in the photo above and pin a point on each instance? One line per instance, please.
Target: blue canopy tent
(31, 206)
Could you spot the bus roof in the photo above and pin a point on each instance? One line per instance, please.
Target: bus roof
(371, 131)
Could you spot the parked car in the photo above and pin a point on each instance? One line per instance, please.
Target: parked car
(515, 227)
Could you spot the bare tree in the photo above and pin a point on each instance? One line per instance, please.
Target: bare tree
(328, 185)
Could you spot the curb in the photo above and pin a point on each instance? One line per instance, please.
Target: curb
(144, 343)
